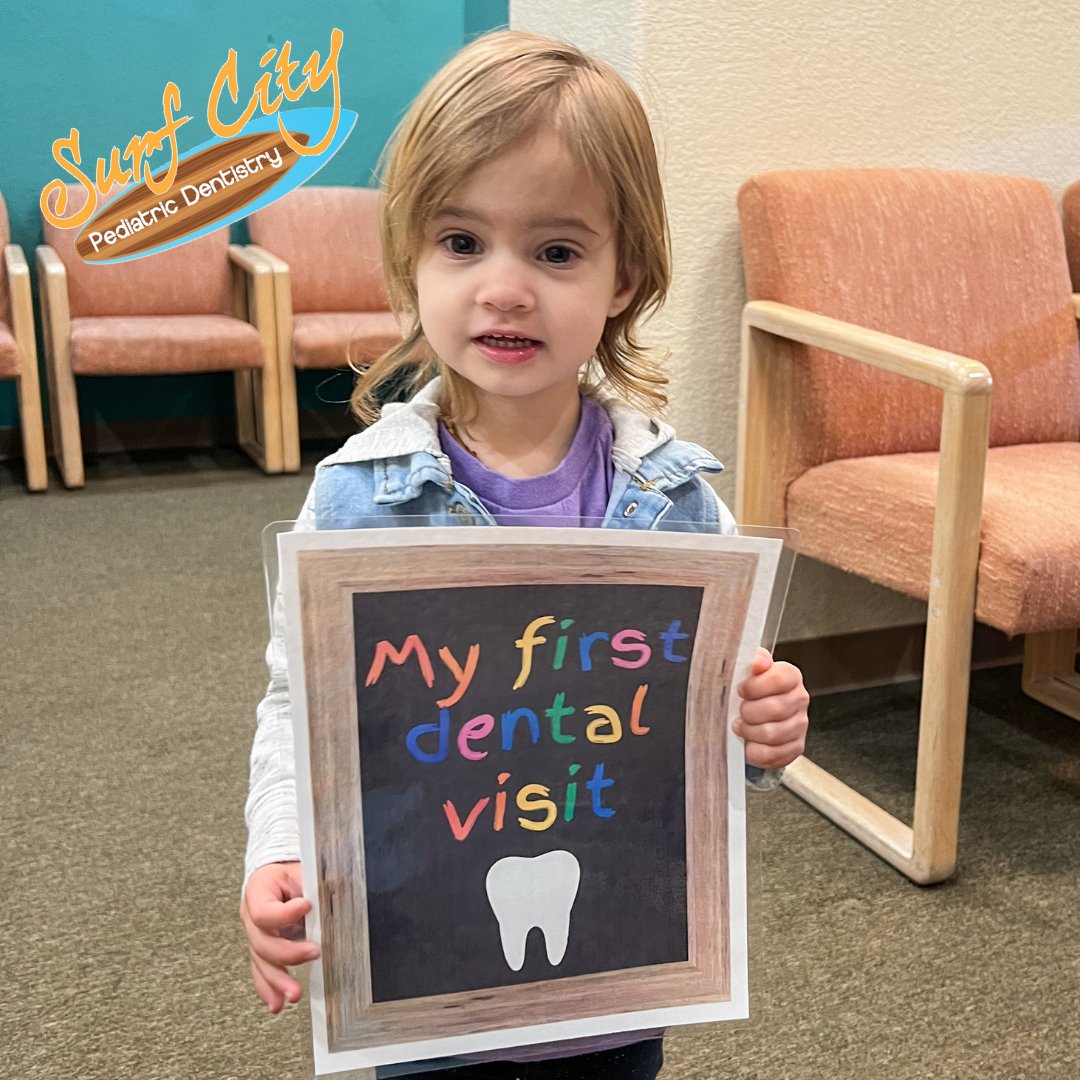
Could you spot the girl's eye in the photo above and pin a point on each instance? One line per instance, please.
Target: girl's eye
(460, 244)
(558, 253)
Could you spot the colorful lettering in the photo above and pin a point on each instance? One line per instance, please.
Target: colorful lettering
(385, 651)
(510, 719)
(479, 727)
(631, 641)
(596, 787)
(636, 726)
(459, 829)
(526, 643)
(560, 645)
(462, 677)
(500, 803)
(441, 729)
(669, 637)
(571, 795)
(556, 713)
(585, 645)
(527, 802)
(609, 719)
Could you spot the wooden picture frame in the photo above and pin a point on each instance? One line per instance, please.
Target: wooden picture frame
(326, 579)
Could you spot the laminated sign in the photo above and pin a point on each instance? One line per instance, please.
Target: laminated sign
(521, 803)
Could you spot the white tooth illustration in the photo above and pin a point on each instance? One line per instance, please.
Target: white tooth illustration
(540, 892)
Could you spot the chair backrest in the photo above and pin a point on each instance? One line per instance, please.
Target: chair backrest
(1070, 210)
(971, 263)
(329, 236)
(192, 279)
(5, 236)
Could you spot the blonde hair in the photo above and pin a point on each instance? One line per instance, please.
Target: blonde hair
(494, 94)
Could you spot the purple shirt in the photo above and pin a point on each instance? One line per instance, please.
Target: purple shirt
(575, 493)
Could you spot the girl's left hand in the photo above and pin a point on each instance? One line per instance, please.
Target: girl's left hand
(772, 718)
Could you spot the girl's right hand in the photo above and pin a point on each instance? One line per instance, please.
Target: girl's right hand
(272, 911)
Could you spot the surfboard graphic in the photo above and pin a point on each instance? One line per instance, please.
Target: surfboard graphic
(217, 183)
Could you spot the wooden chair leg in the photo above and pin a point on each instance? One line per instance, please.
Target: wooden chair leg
(63, 408)
(268, 402)
(279, 309)
(258, 398)
(56, 338)
(926, 851)
(1049, 673)
(66, 435)
(290, 412)
(27, 386)
(258, 419)
(246, 433)
(33, 432)
(290, 420)
(250, 418)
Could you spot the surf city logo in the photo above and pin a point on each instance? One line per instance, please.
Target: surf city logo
(252, 161)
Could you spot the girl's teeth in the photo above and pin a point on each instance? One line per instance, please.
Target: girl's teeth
(506, 342)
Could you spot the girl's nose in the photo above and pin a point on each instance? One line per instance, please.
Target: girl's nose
(505, 287)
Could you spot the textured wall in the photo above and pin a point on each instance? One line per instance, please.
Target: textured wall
(737, 89)
(64, 71)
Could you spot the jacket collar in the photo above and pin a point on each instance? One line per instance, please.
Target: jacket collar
(412, 427)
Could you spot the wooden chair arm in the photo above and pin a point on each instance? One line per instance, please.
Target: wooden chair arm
(258, 393)
(253, 291)
(767, 407)
(947, 371)
(22, 310)
(56, 339)
(278, 264)
(282, 302)
(28, 389)
(283, 315)
(48, 260)
(15, 263)
(282, 299)
(249, 259)
(55, 308)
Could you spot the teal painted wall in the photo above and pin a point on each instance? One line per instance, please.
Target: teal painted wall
(102, 69)
(483, 15)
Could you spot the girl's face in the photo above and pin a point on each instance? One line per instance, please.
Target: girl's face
(518, 273)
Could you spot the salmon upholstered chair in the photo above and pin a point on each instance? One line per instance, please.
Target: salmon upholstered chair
(203, 306)
(323, 243)
(899, 322)
(18, 353)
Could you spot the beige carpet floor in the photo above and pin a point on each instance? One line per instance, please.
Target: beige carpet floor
(132, 619)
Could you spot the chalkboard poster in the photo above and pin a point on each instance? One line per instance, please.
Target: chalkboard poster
(520, 800)
(553, 722)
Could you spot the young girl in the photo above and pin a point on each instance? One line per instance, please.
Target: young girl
(524, 237)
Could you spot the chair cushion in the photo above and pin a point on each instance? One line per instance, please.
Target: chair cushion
(9, 354)
(331, 338)
(1029, 565)
(329, 236)
(160, 344)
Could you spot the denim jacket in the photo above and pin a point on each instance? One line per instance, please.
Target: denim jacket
(395, 473)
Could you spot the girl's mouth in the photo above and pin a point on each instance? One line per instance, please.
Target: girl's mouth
(505, 341)
(507, 348)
